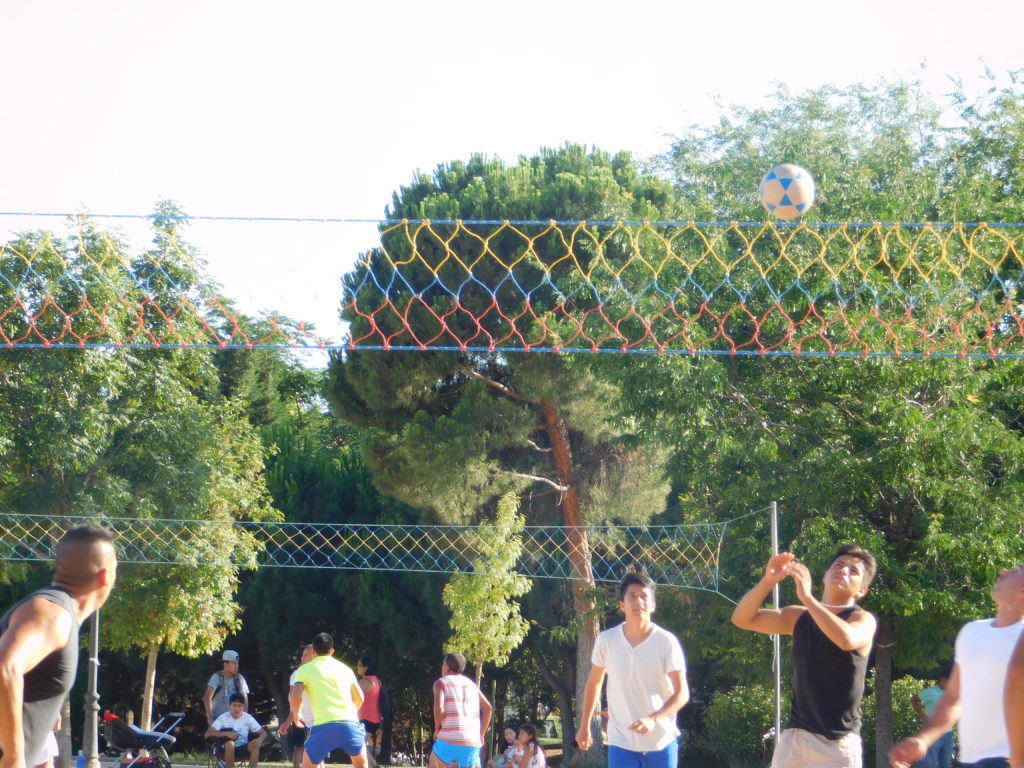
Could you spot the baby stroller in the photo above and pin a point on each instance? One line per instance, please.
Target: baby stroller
(130, 744)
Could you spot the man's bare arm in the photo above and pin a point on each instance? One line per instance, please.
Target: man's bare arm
(944, 717)
(438, 707)
(208, 704)
(1014, 705)
(294, 708)
(749, 614)
(590, 694)
(486, 710)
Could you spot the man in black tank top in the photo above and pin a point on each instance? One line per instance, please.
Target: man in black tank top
(39, 642)
(832, 639)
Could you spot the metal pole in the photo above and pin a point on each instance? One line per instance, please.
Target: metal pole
(90, 735)
(776, 639)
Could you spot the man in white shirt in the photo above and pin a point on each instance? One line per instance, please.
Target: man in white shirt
(646, 673)
(236, 727)
(972, 695)
(1014, 704)
(297, 733)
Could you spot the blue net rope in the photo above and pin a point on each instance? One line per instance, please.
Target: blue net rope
(672, 555)
(931, 289)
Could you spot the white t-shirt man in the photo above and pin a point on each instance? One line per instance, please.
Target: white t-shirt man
(638, 684)
(242, 725)
(306, 710)
(983, 656)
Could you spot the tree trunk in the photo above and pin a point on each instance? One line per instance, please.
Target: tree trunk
(579, 556)
(278, 687)
(564, 695)
(886, 639)
(148, 686)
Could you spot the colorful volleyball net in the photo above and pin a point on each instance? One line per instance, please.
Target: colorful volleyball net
(747, 288)
(672, 555)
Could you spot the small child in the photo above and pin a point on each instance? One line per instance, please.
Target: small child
(505, 758)
(530, 754)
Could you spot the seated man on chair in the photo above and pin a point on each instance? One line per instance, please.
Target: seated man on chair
(237, 732)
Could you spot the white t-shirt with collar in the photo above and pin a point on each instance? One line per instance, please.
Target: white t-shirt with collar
(638, 684)
(983, 656)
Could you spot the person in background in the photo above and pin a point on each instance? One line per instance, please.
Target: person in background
(530, 753)
(297, 733)
(222, 686)
(940, 754)
(504, 758)
(462, 715)
(235, 729)
(369, 710)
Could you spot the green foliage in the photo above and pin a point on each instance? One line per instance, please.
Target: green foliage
(135, 434)
(485, 620)
(873, 151)
(905, 720)
(452, 432)
(736, 723)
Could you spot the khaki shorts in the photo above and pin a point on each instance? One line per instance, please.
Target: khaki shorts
(798, 748)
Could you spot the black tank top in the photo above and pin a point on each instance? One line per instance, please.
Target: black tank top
(49, 682)
(828, 683)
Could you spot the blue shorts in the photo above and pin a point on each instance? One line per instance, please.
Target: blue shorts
(326, 737)
(467, 756)
(666, 757)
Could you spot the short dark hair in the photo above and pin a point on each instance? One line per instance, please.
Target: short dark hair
(85, 534)
(236, 697)
(456, 662)
(531, 729)
(323, 644)
(632, 578)
(78, 559)
(854, 550)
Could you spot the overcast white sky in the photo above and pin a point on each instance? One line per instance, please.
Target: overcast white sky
(322, 109)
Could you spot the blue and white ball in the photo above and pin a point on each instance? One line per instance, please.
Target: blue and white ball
(787, 191)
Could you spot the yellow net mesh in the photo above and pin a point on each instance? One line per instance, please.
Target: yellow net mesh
(648, 287)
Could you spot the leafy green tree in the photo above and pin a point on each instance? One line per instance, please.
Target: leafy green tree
(487, 625)
(918, 461)
(452, 432)
(131, 434)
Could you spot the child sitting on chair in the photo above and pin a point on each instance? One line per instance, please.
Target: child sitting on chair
(233, 730)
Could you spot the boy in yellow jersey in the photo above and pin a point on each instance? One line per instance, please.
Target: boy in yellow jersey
(335, 696)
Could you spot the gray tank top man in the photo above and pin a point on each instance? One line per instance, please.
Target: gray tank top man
(49, 682)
